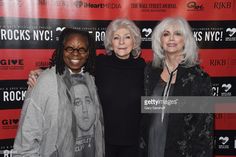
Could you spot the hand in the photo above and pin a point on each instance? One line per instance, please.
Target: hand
(33, 75)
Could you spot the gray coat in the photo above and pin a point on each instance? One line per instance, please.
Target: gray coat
(46, 119)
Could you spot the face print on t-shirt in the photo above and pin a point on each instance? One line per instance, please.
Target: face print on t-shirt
(84, 108)
(85, 114)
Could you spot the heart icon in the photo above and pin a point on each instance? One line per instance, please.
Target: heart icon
(231, 31)
(15, 121)
(226, 87)
(224, 140)
(14, 61)
(60, 28)
(147, 31)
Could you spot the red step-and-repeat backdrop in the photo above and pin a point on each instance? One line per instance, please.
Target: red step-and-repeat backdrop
(29, 30)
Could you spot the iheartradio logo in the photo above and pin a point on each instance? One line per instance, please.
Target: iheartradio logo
(147, 31)
(226, 87)
(223, 140)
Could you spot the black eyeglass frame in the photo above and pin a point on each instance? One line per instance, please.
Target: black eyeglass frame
(70, 49)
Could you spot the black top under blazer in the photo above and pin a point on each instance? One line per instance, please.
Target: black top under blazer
(192, 137)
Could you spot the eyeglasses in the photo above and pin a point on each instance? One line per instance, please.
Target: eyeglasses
(80, 50)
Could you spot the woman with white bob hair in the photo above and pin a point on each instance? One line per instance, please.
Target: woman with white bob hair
(119, 79)
(189, 51)
(175, 71)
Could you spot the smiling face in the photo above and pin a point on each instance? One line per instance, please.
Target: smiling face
(74, 59)
(172, 40)
(122, 43)
(84, 108)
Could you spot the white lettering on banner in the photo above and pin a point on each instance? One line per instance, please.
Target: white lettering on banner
(198, 36)
(235, 144)
(213, 36)
(215, 91)
(99, 36)
(208, 35)
(24, 35)
(7, 153)
(14, 95)
(8, 34)
(42, 35)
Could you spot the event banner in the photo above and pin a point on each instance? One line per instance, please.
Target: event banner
(29, 31)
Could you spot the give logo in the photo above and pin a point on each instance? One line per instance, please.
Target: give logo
(231, 31)
(224, 140)
(10, 121)
(147, 31)
(11, 62)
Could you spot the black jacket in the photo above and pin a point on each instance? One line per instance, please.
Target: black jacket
(188, 134)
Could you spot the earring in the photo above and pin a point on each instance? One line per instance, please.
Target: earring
(135, 52)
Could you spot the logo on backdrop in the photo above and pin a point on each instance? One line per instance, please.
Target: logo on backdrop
(231, 34)
(9, 123)
(60, 29)
(223, 140)
(97, 5)
(222, 90)
(9, 120)
(153, 7)
(80, 4)
(146, 34)
(12, 64)
(218, 62)
(226, 89)
(228, 63)
(231, 31)
(147, 31)
(194, 6)
(40, 64)
(223, 5)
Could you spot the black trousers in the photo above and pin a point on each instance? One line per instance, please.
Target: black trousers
(121, 151)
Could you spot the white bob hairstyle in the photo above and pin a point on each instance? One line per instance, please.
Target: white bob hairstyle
(190, 51)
